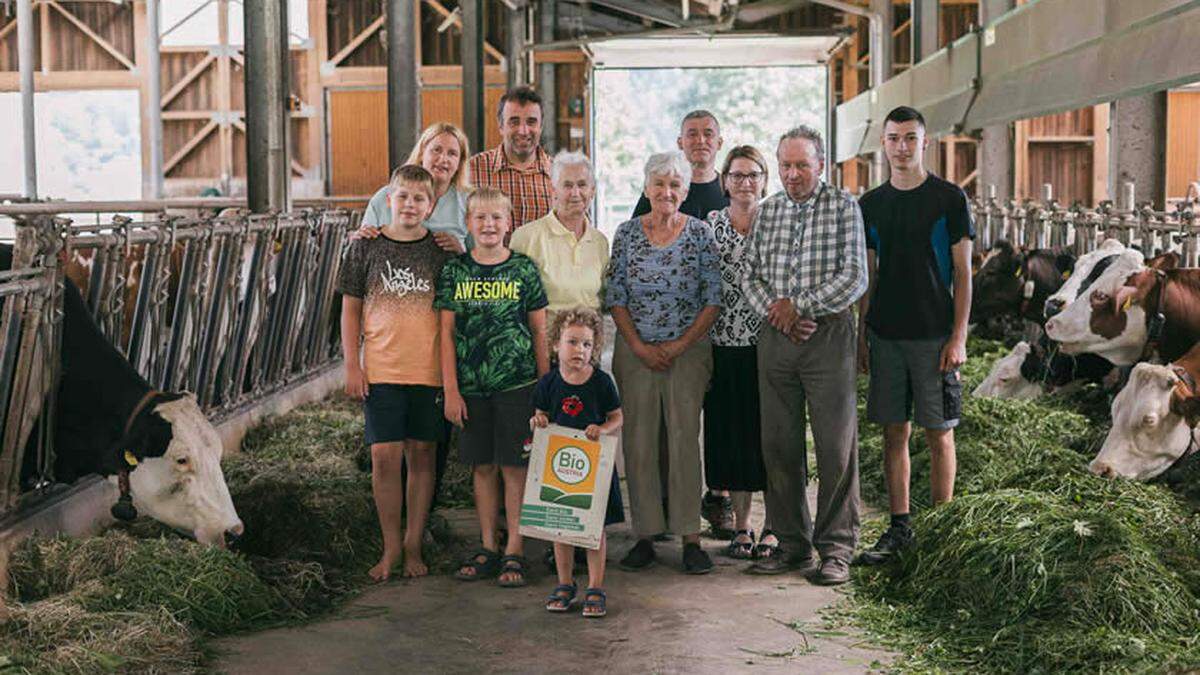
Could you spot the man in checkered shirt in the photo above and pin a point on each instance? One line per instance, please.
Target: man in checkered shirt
(805, 268)
(519, 167)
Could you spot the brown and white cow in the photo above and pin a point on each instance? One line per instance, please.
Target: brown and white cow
(1133, 309)
(1154, 420)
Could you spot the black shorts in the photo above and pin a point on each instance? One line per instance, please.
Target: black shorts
(399, 412)
(497, 428)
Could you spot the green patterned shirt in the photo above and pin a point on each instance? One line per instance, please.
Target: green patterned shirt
(491, 303)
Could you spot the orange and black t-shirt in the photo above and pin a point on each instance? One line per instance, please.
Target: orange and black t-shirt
(396, 280)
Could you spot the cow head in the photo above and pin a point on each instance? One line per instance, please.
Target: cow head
(1005, 380)
(1154, 423)
(1109, 318)
(997, 287)
(174, 457)
(1088, 267)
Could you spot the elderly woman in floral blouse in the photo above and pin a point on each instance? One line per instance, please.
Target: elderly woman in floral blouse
(664, 292)
(732, 441)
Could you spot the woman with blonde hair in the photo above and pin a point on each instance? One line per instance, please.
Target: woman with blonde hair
(443, 151)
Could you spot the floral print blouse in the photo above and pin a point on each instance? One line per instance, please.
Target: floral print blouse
(737, 326)
(663, 287)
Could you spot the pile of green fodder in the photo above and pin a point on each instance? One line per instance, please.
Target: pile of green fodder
(1037, 565)
(140, 598)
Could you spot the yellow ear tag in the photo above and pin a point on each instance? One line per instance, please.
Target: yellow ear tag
(1017, 274)
(130, 459)
(1128, 302)
(1066, 275)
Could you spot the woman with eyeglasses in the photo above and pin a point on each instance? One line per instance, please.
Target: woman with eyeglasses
(732, 440)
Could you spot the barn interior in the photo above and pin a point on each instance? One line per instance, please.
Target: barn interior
(194, 167)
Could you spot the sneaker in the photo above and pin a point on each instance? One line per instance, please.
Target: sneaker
(780, 562)
(894, 540)
(639, 557)
(718, 511)
(695, 560)
(833, 571)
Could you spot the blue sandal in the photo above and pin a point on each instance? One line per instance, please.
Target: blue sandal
(594, 609)
(482, 563)
(562, 598)
(514, 565)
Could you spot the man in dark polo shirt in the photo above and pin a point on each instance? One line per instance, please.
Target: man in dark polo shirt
(919, 232)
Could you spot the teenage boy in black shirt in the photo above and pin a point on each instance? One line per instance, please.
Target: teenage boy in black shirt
(913, 331)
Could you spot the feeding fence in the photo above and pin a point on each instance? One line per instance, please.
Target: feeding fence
(230, 306)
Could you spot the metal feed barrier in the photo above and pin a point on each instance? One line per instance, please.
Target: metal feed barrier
(231, 307)
(1046, 223)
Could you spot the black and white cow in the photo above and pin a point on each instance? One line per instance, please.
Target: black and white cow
(1013, 282)
(108, 419)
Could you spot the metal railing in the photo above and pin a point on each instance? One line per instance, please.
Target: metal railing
(230, 307)
(1046, 223)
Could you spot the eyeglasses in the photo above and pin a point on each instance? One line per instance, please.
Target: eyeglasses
(744, 177)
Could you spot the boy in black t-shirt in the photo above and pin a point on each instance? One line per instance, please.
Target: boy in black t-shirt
(913, 320)
(579, 395)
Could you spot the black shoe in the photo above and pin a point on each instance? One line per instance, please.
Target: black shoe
(780, 561)
(718, 511)
(695, 560)
(892, 542)
(639, 557)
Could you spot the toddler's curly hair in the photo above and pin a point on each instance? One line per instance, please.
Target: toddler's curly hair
(578, 316)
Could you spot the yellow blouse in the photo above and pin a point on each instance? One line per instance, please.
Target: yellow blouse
(572, 270)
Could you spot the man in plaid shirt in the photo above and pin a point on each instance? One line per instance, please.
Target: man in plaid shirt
(806, 266)
(519, 168)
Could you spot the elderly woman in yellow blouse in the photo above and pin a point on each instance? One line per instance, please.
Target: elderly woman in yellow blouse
(571, 254)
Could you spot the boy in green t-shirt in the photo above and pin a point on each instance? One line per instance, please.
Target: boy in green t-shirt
(387, 285)
(493, 350)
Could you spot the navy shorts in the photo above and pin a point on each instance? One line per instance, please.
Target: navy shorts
(496, 430)
(399, 412)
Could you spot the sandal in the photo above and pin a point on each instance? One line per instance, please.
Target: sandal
(515, 565)
(483, 562)
(763, 550)
(743, 550)
(594, 609)
(562, 598)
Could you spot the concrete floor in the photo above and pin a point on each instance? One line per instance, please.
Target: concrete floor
(659, 621)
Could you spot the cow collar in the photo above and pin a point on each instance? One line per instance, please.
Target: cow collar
(124, 509)
(1157, 321)
(1187, 378)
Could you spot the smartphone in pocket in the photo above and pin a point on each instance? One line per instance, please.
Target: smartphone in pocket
(951, 395)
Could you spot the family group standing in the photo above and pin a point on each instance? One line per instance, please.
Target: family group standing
(473, 295)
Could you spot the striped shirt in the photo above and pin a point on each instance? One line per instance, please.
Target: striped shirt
(813, 252)
(530, 189)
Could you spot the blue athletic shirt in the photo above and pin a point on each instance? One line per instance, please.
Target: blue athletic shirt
(912, 232)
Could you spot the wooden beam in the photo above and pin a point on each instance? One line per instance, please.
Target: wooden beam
(902, 28)
(1021, 159)
(141, 50)
(457, 20)
(187, 79)
(44, 39)
(73, 79)
(1100, 121)
(188, 147)
(969, 179)
(87, 30)
(224, 95)
(358, 40)
(559, 56)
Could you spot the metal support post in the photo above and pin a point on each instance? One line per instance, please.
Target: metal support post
(154, 98)
(268, 160)
(547, 16)
(28, 125)
(403, 91)
(472, 72)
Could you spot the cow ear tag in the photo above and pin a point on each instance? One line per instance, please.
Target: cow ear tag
(1066, 275)
(1017, 274)
(130, 459)
(1128, 302)
(1029, 286)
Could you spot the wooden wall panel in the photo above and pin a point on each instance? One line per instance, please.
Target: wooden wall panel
(1183, 142)
(358, 141)
(345, 20)
(1073, 123)
(204, 161)
(201, 93)
(956, 21)
(1066, 166)
(73, 50)
(444, 104)
(444, 48)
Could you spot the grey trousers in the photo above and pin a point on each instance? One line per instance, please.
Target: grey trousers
(653, 401)
(819, 372)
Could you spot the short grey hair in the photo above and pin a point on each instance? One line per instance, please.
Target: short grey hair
(667, 163)
(807, 133)
(565, 160)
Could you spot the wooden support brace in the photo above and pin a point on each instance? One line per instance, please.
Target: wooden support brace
(456, 19)
(358, 40)
(87, 30)
(188, 147)
(190, 77)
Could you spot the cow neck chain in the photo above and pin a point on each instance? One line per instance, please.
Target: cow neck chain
(1186, 378)
(1156, 322)
(124, 509)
